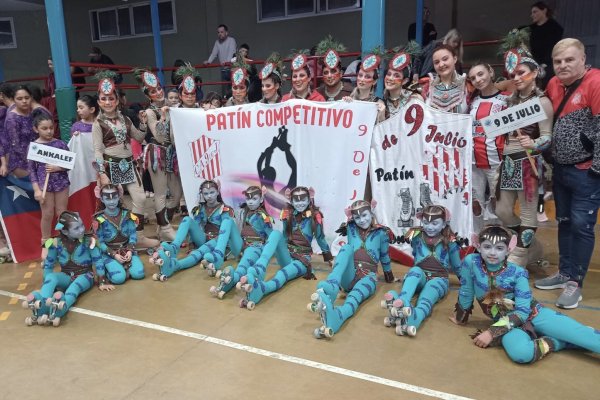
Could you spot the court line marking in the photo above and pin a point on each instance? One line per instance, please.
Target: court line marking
(265, 353)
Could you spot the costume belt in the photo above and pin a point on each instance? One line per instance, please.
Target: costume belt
(520, 155)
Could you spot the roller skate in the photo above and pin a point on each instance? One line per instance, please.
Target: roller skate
(407, 209)
(212, 262)
(254, 290)
(35, 305)
(55, 304)
(398, 314)
(387, 304)
(329, 317)
(225, 282)
(408, 330)
(165, 263)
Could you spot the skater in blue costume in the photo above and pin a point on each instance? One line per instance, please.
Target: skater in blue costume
(355, 268)
(75, 252)
(527, 330)
(115, 230)
(257, 225)
(436, 253)
(211, 229)
(302, 221)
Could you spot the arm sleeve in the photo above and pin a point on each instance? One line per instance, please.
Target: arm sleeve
(10, 132)
(136, 133)
(320, 237)
(593, 134)
(33, 175)
(384, 251)
(455, 261)
(50, 260)
(543, 142)
(466, 293)
(100, 243)
(129, 230)
(214, 53)
(98, 145)
(522, 309)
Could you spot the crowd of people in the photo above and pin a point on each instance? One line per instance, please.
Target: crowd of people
(507, 169)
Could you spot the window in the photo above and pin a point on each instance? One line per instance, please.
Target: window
(133, 20)
(8, 39)
(273, 10)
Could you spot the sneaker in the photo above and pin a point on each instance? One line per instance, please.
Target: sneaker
(557, 281)
(570, 297)
(542, 217)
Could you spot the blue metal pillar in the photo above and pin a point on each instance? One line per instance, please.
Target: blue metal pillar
(373, 32)
(65, 92)
(419, 22)
(1, 72)
(158, 53)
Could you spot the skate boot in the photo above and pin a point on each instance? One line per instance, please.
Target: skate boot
(212, 262)
(55, 303)
(225, 282)
(145, 243)
(407, 209)
(425, 195)
(398, 314)
(331, 321)
(519, 256)
(35, 306)
(254, 289)
(165, 263)
(166, 233)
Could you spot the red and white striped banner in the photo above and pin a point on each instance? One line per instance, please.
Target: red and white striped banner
(205, 157)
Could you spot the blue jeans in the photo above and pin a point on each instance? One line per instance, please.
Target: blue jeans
(577, 198)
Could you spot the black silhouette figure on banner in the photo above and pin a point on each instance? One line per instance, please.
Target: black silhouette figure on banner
(267, 174)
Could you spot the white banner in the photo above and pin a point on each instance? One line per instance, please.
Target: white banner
(297, 143)
(514, 117)
(422, 156)
(51, 155)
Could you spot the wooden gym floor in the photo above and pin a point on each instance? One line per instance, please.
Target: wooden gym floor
(173, 340)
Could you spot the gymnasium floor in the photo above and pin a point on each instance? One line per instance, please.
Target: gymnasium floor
(173, 340)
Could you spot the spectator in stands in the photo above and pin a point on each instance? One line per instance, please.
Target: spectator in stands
(545, 33)
(97, 57)
(574, 93)
(429, 31)
(254, 89)
(223, 50)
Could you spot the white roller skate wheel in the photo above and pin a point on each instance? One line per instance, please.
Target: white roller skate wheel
(227, 279)
(407, 311)
(411, 330)
(25, 304)
(163, 278)
(247, 288)
(238, 286)
(213, 290)
(314, 297)
(29, 321)
(250, 305)
(204, 263)
(219, 273)
(387, 321)
(221, 294)
(328, 332)
(394, 312)
(155, 277)
(317, 333)
(400, 330)
(56, 321)
(310, 307)
(42, 320)
(384, 304)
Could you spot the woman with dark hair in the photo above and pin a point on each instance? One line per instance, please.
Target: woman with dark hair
(301, 77)
(270, 76)
(545, 33)
(446, 89)
(521, 158)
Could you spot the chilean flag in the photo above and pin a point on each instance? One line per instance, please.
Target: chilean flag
(82, 178)
(20, 215)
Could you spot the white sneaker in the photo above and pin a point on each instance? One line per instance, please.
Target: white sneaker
(542, 217)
